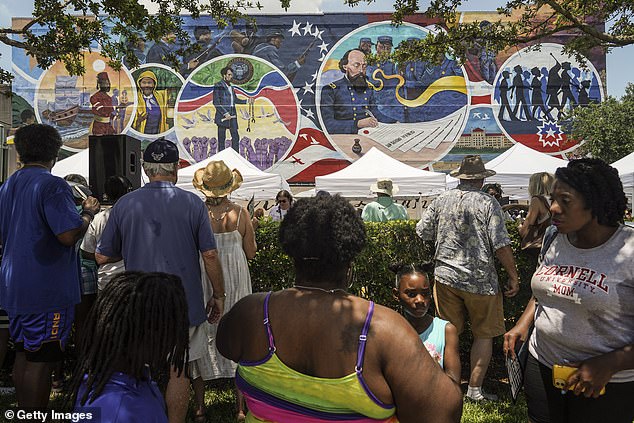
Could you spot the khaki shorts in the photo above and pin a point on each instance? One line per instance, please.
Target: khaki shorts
(485, 311)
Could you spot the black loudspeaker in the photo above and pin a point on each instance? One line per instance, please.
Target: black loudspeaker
(111, 155)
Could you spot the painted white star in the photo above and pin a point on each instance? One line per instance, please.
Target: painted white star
(323, 47)
(550, 132)
(308, 28)
(314, 76)
(296, 90)
(309, 114)
(295, 29)
(308, 88)
(317, 34)
(300, 101)
(477, 115)
(321, 59)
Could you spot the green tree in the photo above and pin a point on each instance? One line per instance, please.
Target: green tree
(521, 22)
(606, 128)
(61, 29)
(72, 25)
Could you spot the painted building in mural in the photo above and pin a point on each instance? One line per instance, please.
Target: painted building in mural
(296, 97)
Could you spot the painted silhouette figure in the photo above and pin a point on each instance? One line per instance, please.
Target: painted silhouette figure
(584, 99)
(537, 99)
(552, 89)
(520, 99)
(504, 97)
(566, 82)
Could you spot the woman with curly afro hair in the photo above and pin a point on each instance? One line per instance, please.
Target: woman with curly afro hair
(317, 353)
(583, 291)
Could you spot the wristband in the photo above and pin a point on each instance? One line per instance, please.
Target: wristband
(88, 213)
(219, 297)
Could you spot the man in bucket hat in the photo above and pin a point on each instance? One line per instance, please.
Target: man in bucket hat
(468, 228)
(162, 228)
(384, 208)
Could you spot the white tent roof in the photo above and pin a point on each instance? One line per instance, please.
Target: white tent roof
(77, 163)
(515, 166)
(625, 166)
(259, 184)
(355, 180)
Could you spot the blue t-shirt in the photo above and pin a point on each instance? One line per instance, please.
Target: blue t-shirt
(434, 340)
(125, 400)
(161, 228)
(38, 274)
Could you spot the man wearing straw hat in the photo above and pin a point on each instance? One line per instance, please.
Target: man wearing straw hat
(161, 228)
(384, 208)
(468, 228)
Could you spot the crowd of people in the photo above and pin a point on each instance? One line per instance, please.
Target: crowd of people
(171, 303)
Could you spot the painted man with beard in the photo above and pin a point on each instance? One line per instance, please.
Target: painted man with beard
(151, 112)
(102, 108)
(348, 104)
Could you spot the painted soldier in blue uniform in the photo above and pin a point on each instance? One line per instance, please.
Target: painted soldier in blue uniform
(365, 45)
(349, 104)
(414, 74)
(269, 51)
(386, 96)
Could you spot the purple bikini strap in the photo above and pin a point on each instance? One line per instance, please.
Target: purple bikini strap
(267, 324)
(363, 338)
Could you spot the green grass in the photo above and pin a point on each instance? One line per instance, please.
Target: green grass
(219, 399)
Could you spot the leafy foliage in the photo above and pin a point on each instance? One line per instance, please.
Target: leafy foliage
(62, 29)
(73, 25)
(388, 242)
(607, 127)
(520, 22)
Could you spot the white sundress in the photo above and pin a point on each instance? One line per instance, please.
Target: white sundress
(235, 271)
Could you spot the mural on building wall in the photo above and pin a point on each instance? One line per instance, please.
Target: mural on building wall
(297, 97)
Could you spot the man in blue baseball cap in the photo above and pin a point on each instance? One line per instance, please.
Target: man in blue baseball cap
(162, 228)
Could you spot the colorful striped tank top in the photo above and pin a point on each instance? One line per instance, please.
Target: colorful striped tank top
(276, 393)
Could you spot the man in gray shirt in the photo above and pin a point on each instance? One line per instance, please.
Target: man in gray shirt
(468, 228)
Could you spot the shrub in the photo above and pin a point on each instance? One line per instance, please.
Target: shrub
(271, 269)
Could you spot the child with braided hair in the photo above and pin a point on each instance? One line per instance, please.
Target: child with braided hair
(413, 291)
(138, 327)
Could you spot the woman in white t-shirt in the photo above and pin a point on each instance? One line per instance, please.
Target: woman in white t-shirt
(583, 291)
(283, 202)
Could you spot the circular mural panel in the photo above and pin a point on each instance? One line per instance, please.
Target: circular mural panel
(414, 112)
(157, 88)
(534, 92)
(101, 102)
(242, 102)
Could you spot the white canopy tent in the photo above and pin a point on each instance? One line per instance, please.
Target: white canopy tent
(77, 163)
(354, 181)
(625, 166)
(515, 166)
(257, 184)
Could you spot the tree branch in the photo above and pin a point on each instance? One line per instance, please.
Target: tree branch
(589, 29)
(13, 43)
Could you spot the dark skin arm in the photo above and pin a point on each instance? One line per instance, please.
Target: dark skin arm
(451, 359)
(69, 238)
(416, 382)
(520, 330)
(594, 373)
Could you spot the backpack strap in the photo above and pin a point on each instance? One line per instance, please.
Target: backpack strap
(549, 237)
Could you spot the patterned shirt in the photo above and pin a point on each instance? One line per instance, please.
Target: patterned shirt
(468, 227)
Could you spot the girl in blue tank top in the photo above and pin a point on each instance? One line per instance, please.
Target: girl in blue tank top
(413, 291)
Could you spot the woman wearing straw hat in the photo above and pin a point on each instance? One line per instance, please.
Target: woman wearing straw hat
(235, 238)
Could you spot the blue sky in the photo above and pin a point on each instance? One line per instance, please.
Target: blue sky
(619, 63)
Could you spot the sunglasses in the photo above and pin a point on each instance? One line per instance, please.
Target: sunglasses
(283, 200)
